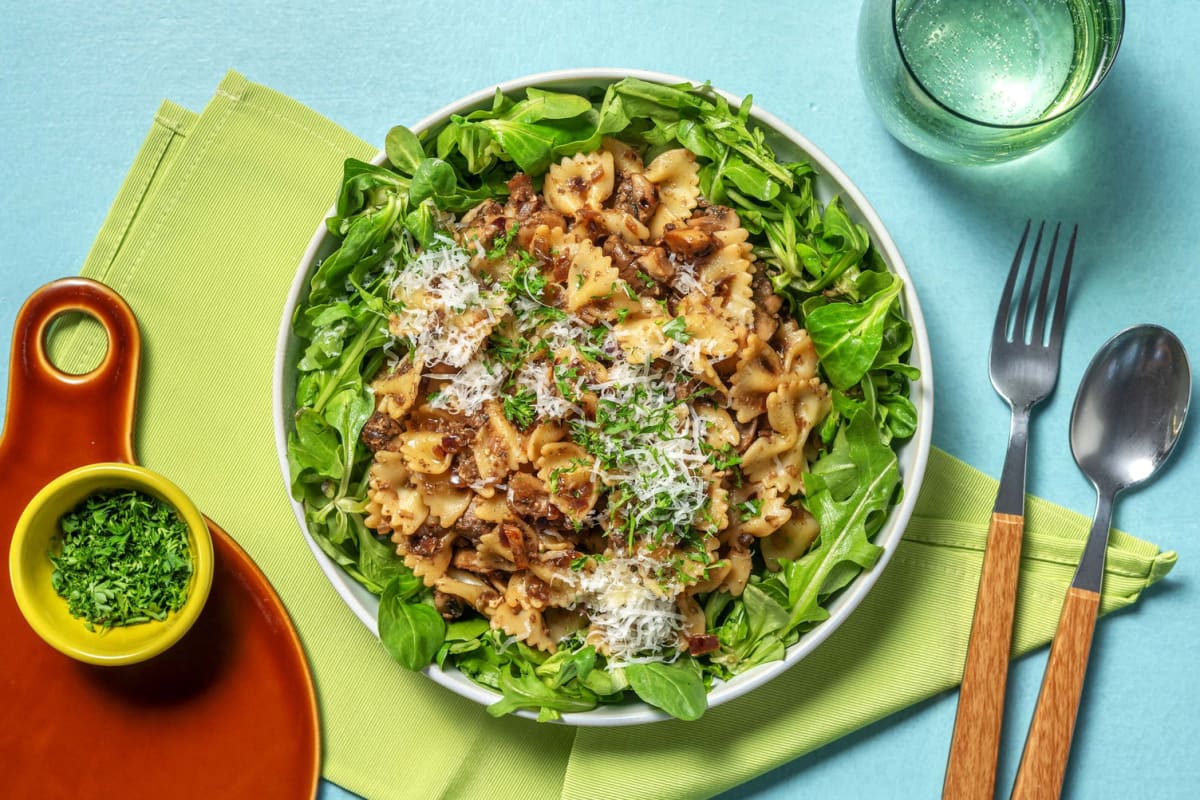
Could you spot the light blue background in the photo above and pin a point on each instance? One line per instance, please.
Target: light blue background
(79, 83)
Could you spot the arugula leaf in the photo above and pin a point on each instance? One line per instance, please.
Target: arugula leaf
(436, 180)
(610, 120)
(843, 519)
(645, 99)
(750, 180)
(901, 416)
(347, 412)
(764, 614)
(363, 187)
(379, 563)
(314, 442)
(608, 686)
(366, 233)
(531, 145)
(695, 137)
(567, 665)
(474, 143)
(467, 629)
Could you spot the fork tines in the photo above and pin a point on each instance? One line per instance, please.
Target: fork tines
(1019, 331)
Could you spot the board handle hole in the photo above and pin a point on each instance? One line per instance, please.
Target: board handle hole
(75, 342)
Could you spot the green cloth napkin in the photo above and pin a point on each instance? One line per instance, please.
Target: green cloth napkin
(203, 241)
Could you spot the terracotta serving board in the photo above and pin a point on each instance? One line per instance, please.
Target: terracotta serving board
(230, 711)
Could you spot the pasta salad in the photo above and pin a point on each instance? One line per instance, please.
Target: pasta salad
(598, 397)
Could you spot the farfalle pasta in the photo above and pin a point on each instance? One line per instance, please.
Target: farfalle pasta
(587, 412)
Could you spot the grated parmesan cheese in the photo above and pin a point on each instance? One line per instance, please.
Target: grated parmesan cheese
(685, 281)
(473, 385)
(447, 314)
(684, 355)
(629, 615)
(535, 376)
(657, 455)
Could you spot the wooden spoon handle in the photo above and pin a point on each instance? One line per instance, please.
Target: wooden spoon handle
(1044, 761)
(971, 771)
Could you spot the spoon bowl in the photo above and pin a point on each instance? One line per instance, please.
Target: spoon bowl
(1130, 407)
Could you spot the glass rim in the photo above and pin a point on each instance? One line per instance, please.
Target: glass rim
(1111, 58)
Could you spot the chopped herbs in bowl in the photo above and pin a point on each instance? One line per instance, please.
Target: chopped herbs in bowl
(602, 397)
(122, 559)
(111, 563)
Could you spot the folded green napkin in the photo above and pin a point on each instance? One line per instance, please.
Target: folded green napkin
(203, 241)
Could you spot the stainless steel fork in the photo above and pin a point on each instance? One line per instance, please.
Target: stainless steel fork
(1024, 368)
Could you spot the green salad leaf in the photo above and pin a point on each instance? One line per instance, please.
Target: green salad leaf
(676, 687)
(849, 510)
(821, 262)
(411, 630)
(848, 336)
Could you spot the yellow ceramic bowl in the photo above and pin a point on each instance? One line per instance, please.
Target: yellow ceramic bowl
(30, 568)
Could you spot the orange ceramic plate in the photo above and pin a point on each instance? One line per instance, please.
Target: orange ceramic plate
(229, 711)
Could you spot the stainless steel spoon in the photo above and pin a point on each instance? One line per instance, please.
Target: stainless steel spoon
(1128, 414)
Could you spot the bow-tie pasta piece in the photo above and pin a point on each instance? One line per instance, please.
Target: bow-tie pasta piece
(582, 181)
(677, 177)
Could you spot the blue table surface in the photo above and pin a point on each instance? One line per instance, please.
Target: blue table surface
(81, 82)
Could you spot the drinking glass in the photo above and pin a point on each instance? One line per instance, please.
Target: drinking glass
(984, 81)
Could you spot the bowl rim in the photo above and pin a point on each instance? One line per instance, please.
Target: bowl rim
(70, 642)
(921, 393)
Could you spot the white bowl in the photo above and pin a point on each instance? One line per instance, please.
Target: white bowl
(831, 181)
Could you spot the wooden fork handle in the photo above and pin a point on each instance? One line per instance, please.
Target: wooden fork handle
(1044, 761)
(975, 745)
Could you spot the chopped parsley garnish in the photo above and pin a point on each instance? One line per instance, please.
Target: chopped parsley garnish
(677, 330)
(675, 569)
(722, 457)
(525, 280)
(519, 407)
(565, 379)
(750, 509)
(592, 346)
(500, 243)
(509, 352)
(558, 472)
(649, 452)
(121, 558)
